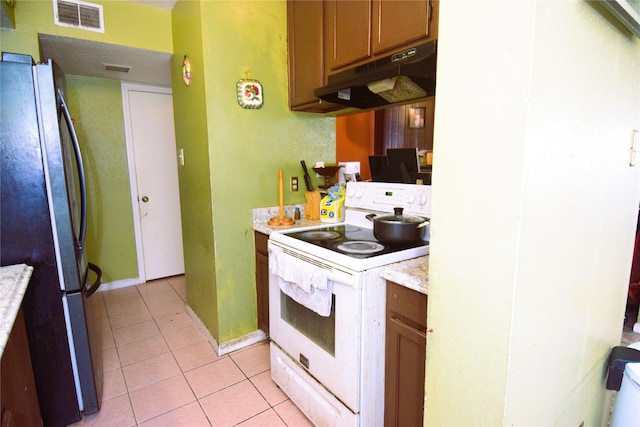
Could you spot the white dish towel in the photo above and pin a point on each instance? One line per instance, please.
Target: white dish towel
(308, 285)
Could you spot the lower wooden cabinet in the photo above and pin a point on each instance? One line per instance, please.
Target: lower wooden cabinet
(262, 280)
(19, 400)
(405, 353)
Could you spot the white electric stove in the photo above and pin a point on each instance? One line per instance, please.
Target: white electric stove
(327, 306)
(351, 244)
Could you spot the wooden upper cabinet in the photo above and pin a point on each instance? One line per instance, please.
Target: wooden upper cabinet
(328, 36)
(396, 23)
(305, 41)
(360, 31)
(348, 32)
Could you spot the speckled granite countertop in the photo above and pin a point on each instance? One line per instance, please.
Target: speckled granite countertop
(413, 274)
(261, 218)
(13, 284)
(265, 228)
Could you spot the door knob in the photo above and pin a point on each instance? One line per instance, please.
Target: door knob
(145, 199)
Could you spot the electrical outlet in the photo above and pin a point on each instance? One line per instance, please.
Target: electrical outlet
(293, 184)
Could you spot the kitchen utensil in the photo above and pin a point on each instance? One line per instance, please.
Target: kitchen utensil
(307, 178)
(398, 228)
(281, 220)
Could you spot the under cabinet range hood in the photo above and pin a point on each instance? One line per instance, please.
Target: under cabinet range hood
(403, 76)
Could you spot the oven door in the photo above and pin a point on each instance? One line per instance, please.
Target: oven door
(328, 348)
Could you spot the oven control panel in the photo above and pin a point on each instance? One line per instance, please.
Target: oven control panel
(384, 196)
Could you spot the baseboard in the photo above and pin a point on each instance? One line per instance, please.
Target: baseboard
(241, 342)
(227, 346)
(124, 283)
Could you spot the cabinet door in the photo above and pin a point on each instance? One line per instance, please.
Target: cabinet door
(396, 23)
(262, 281)
(348, 32)
(18, 396)
(405, 352)
(305, 42)
(404, 390)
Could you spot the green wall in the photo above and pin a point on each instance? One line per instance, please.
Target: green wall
(244, 148)
(96, 105)
(152, 26)
(195, 183)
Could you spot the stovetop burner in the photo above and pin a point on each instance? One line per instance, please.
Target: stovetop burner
(351, 240)
(359, 247)
(314, 235)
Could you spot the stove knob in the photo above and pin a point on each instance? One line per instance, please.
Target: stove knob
(423, 199)
(411, 198)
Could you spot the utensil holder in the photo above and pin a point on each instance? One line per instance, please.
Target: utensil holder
(312, 207)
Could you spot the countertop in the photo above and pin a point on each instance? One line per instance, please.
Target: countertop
(13, 284)
(413, 273)
(265, 228)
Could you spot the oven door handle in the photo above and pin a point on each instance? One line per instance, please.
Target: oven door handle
(342, 279)
(332, 273)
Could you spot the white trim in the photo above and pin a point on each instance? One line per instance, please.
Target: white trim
(227, 346)
(131, 161)
(124, 283)
(241, 342)
(636, 328)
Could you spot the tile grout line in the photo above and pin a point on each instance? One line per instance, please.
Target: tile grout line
(145, 295)
(171, 351)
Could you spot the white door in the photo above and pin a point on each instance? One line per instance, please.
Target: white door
(155, 193)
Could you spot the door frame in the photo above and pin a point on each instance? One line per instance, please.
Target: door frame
(131, 161)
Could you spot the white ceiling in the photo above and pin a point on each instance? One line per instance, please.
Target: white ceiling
(87, 58)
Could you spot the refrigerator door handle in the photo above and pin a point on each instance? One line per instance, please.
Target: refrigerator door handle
(83, 188)
(90, 290)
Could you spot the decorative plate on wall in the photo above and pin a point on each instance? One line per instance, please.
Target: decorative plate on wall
(250, 94)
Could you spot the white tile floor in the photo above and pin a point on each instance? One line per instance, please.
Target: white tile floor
(159, 369)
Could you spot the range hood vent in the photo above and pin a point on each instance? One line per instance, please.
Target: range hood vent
(397, 78)
(78, 14)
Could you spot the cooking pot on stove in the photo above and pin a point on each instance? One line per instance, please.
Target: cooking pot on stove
(398, 228)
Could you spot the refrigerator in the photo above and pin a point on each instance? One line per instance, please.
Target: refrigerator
(43, 216)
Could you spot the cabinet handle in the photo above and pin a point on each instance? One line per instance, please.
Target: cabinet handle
(405, 325)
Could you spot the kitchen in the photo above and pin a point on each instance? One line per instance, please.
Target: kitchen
(495, 146)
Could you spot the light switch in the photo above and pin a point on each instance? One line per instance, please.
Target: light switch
(635, 146)
(181, 157)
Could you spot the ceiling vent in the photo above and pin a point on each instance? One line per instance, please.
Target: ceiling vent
(117, 68)
(78, 14)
